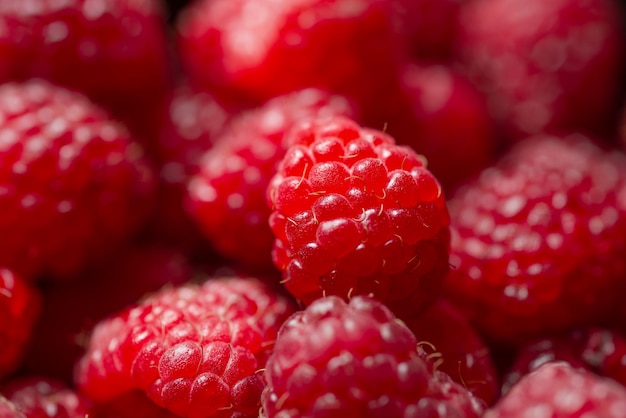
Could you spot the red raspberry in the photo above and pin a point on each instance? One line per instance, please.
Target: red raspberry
(70, 312)
(227, 198)
(72, 184)
(194, 350)
(557, 390)
(544, 64)
(42, 397)
(112, 50)
(601, 351)
(259, 49)
(441, 114)
(538, 240)
(450, 344)
(19, 309)
(356, 359)
(354, 213)
(192, 123)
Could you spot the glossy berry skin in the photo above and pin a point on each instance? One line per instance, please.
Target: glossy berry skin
(42, 397)
(599, 350)
(69, 312)
(337, 358)
(354, 213)
(537, 240)
(114, 51)
(450, 344)
(227, 197)
(557, 390)
(259, 49)
(19, 309)
(544, 64)
(73, 185)
(194, 350)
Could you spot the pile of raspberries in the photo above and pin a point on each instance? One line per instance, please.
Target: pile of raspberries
(312, 209)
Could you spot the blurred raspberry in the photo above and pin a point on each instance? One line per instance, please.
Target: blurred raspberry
(557, 390)
(71, 311)
(354, 213)
(259, 49)
(227, 197)
(443, 116)
(356, 359)
(601, 351)
(19, 309)
(449, 344)
(545, 64)
(538, 240)
(195, 350)
(131, 405)
(114, 51)
(73, 186)
(42, 397)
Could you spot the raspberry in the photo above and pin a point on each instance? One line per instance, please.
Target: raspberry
(354, 213)
(446, 118)
(538, 240)
(69, 312)
(451, 345)
(114, 51)
(19, 309)
(194, 350)
(39, 397)
(192, 123)
(227, 198)
(544, 64)
(558, 390)
(601, 351)
(356, 358)
(259, 49)
(72, 184)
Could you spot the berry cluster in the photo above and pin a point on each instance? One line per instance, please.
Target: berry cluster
(312, 208)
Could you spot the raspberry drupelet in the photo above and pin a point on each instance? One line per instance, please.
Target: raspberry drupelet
(354, 213)
(356, 359)
(73, 184)
(194, 350)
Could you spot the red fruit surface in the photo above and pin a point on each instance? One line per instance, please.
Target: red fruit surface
(356, 359)
(545, 64)
(19, 309)
(354, 213)
(194, 350)
(112, 50)
(42, 397)
(443, 116)
(227, 197)
(8, 410)
(259, 49)
(450, 344)
(192, 122)
(70, 311)
(538, 240)
(556, 390)
(73, 185)
(601, 351)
